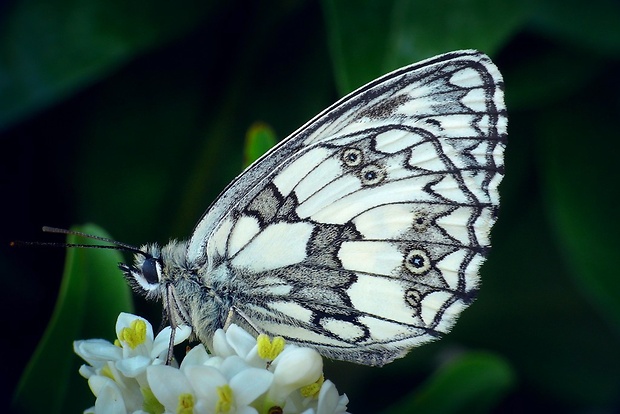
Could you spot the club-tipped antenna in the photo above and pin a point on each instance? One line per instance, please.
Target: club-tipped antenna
(114, 245)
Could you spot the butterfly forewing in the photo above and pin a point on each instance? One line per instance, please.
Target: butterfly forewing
(362, 233)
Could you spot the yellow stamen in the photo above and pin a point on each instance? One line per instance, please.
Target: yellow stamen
(268, 349)
(134, 335)
(225, 399)
(313, 389)
(186, 404)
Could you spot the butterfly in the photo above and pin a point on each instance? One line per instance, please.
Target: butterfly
(362, 233)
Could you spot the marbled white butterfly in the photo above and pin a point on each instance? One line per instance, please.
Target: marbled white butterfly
(361, 234)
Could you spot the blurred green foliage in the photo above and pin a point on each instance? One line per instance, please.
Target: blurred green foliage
(468, 383)
(258, 140)
(133, 115)
(88, 305)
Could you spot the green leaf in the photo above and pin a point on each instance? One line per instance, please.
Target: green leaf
(49, 50)
(425, 28)
(91, 296)
(593, 26)
(528, 309)
(580, 188)
(357, 38)
(533, 81)
(370, 40)
(258, 140)
(472, 383)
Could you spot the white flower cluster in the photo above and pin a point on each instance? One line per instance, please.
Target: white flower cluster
(243, 374)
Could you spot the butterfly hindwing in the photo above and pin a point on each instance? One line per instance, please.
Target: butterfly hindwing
(362, 233)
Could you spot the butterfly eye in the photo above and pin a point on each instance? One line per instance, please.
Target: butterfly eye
(150, 270)
(372, 175)
(417, 262)
(352, 157)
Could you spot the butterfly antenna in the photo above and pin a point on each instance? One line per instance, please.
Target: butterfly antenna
(114, 245)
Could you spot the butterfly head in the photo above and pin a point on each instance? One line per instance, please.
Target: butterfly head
(146, 274)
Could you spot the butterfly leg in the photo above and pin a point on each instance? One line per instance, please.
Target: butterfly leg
(170, 353)
(238, 312)
(177, 316)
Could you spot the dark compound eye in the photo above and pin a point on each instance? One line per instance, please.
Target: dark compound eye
(352, 157)
(150, 270)
(372, 174)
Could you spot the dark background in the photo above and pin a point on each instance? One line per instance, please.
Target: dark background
(132, 115)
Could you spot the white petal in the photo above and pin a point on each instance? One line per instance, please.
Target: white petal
(161, 343)
(167, 383)
(300, 366)
(240, 340)
(87, 371)
(296, 368)
(134, 366)
(97, 351)
(97, 382)
(110, 400)
(183, 332)
(205, 381)
(249, 384)
(233, 365)
(162, 340)
(220, 344)
(203, 378)
(328, 398)
(343, 400)
(196, 356)
(246, 410)
(200, 407)
(253, 359)
(330, 402)
(295, 403)
(215, 362)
